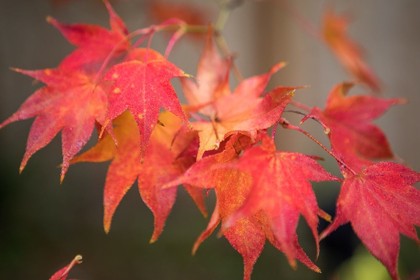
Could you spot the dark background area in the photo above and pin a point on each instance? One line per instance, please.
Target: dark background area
(45, 224)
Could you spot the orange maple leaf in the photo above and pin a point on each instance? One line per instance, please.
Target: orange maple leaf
(161, 165)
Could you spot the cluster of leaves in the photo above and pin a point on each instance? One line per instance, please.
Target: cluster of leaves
(219, 141)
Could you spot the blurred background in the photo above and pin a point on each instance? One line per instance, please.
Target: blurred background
(45, 224)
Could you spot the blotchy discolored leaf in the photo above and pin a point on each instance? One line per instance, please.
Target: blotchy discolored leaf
(380, 203)
(142, 85)
(352, 134)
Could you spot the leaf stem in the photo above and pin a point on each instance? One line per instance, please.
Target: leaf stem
(169, 25)
(287, 125)
(222, 18)
(220, 40)
(300, 105)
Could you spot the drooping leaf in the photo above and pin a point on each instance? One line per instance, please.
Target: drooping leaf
(281, 189)
(142, 85)
(63, 273)
(160, 166)
(70, 102)
(334, 31)
(247, 235)
(352, 134)
(380, 203)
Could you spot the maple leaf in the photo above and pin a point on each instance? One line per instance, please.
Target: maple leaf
(142, 85)
(281, 189)
(94, 42)
(248, 234)
(260, 114)
(334, 31)
(161, 166)
(211, 73)
(352, 134)
(243, 110)
(380, 203)
(63, 273)
(70, 102)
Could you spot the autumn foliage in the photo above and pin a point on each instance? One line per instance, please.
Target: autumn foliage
(220, 139)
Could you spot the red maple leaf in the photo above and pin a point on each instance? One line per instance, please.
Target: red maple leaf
(233, 187)
(63, 273)
(334, 31)
(281, 189)
(70, 102)
(142, 85)
(352, 134)
(160, 166)
(380, 203)
(95, 43)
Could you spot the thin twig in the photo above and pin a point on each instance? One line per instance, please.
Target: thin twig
(287, 125)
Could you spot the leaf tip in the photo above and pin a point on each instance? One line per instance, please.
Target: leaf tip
(103, 129)
(16, 69)
(187, 75)
(107, 225)
(293, 263)
(49, 19)
(194, 249)
(22, 165)
(152, 240)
